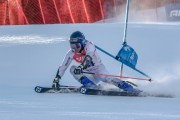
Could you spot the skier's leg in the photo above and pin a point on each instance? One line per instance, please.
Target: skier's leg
(115, 81)
(77, 77)
(84, 80)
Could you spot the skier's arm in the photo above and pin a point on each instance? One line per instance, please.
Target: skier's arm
(86, 62)
(65, 64)
(88, 59)
(90, 52)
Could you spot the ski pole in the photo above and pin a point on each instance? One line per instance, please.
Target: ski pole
(118, 76)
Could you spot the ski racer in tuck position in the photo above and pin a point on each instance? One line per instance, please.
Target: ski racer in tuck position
(85, 53)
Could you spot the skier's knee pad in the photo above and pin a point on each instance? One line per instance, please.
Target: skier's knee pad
(87, 82)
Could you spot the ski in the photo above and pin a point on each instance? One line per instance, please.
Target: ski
(62, 89)
(89, 91)
(83, 90)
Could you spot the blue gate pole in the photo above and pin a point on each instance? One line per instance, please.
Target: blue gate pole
(125, 31)
(126, 21)
(105, 52)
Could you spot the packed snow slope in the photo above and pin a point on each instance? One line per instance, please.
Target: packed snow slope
(31, 55)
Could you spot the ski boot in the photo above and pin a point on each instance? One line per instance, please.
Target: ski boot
(125, 86)
(87, 82)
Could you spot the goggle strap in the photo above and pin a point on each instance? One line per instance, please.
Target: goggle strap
(75, 42)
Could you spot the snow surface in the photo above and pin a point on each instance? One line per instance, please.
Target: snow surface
(30, 56)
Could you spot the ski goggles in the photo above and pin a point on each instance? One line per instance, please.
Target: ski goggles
(75, 40)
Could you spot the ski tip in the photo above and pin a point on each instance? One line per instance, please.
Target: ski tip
(38, 89)
(83, 90)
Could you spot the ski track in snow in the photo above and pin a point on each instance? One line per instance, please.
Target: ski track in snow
(7, 40)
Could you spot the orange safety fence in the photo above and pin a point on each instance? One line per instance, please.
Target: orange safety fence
(14, 12)
(19, 12)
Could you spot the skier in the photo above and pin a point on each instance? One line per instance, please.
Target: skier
(85, 53)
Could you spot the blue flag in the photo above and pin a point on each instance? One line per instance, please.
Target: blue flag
(127, 56)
